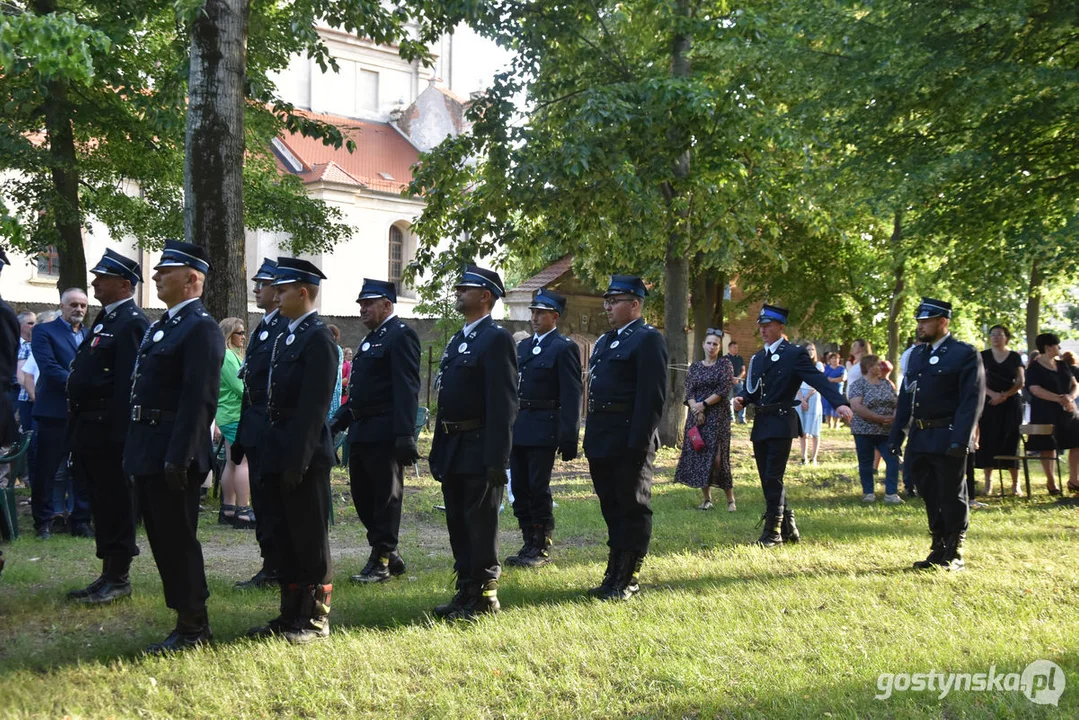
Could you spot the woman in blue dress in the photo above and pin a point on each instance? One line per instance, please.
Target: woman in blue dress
(809, 412)
(836, 373)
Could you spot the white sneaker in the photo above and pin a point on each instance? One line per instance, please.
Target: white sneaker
(869, 497)
(893, 499)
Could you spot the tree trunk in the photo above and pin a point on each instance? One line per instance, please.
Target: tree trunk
(1034, 303)
(214, 151)
(895, 307)
(65, 178)
(676, 274)
(707, 306)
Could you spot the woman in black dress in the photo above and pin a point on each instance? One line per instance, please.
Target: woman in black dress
(1002, 414)
(708, 385)
(1053, 390)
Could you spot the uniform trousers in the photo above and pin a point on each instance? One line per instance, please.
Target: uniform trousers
(264, 522)
(530, 476)
(771, 455)
(624, 486)
(377, 483)
(112, 500)
(941, 481)
(52, 452)
(300, 526)
(171, 518)
(472, 520)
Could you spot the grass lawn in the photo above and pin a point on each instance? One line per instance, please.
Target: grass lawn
(720, 628)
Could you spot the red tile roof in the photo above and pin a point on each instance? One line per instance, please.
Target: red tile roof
(546, 276)
(382, 160)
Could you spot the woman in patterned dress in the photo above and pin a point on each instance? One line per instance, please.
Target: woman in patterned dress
(708, 385)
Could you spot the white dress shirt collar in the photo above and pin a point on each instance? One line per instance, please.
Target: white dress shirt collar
(179, 306)
(472, 325)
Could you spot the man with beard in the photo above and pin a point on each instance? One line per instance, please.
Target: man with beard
(98, 398)
(942, 399)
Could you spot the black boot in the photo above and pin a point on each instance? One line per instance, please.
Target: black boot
(936, 554)
(626, 582)
(459, 600)
(541, 548)
(116, 585)
(313, 619)
(288, 611)
(772, 535)
(953, 551)
(380, 567)
(264, 579)
(608, 574)
(789, 530)
(89, 589)
(483, 600)
(526, 549)
(192, 629)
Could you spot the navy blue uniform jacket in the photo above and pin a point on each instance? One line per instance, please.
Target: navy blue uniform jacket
(9, 360)
(53, 345)
(551, 377)
(477, 380)
(384, 386)
(179, 373)
(952, 387)
(776, 382)
(256, 376)
(627, 369)
(303, 373)
(99, 386)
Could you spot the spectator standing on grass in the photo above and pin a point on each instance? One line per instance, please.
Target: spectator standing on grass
(338, 389)
(1069, 359)
(235, 479)
(809, 412)
(1053, 389)
(738, 365)
(708, 385)
(837, 375)
(873, 400)
(24, 401)
(346, 375)
(1002, 411)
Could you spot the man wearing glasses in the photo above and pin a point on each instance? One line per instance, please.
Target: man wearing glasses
(627, 388)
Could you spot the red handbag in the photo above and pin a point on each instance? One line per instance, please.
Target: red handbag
(695, 439)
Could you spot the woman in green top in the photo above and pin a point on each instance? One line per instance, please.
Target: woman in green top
(235, 486)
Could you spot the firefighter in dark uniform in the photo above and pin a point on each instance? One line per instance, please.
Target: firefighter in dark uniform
(380, 417)
(168, 449)
(296, 454)
(477, 404)
(941, 398)
(775, 373)
(549, 402)
(9, 360)
(99, 402)
(627, 388)
(255, 374)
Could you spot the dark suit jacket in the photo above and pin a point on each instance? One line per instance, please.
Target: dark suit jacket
(256, 375)
(99, 386)
(630, 368)
(384, 387)
(477, 380)
(303, 374)
(9, 360)
(952, 387)
(178, 371)
(553, 375)
(53, 345)
(776, 382)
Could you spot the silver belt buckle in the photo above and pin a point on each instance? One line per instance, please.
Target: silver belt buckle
(136, 413)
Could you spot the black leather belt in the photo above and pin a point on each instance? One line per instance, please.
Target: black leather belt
(596, 406)
(538, 404)
(370, 410)
(930, 423)
(773, 409)
(452, 428)
(140, 414)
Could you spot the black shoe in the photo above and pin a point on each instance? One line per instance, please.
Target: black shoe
(380, 567)
(192, 629)
(608, 575)
(457, 603)
(88, 590)
(525, 550)
(43, 533)
(772, 535)
(313, 618)
(935, 557)
(289, 610)
(482, 601)
(109, 592)
(541, 548)
(788, 530)
(626, 581)
(244, 519)
(262, 580)
(59, 524)
(953, 552)
(222, 518)
(82, 530)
